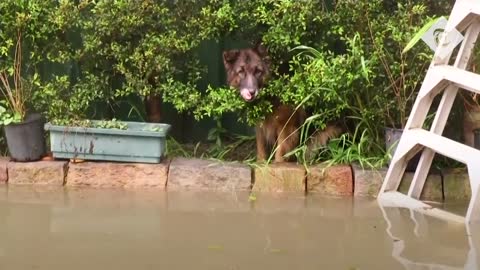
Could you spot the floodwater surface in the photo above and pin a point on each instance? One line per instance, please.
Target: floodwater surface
(114, 229)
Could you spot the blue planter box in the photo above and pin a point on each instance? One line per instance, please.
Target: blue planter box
(140, 142)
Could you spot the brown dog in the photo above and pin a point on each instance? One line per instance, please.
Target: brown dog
(247, 70)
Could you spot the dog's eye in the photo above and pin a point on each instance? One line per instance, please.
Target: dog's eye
(241, 72)
(258, 72)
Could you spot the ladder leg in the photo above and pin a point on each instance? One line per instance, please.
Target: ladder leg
(421, 174)
(443, 111)
(425, 162)
(473, 212)
(399, 161)
(404, 152)
(393, 177)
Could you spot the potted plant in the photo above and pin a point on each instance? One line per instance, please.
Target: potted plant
(23, 131)
(404, 70)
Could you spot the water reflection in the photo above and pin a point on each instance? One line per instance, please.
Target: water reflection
(118, 229)
(424, 242)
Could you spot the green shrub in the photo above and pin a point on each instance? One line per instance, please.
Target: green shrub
(342, 60)
(152, 45)
(47, 29)
(34, 24)
(120, 49)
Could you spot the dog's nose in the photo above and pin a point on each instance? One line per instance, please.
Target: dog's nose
(252, 91)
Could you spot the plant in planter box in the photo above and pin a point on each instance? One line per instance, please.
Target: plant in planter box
(74, 136)
(24, 132)
(111, 140)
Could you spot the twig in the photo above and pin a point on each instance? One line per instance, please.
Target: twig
(14, 95)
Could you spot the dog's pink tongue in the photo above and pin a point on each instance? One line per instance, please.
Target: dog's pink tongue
(246, 94)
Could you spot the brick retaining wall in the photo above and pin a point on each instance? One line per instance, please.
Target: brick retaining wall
(197, 174)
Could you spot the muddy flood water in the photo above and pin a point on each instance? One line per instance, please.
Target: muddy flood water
(114, 229)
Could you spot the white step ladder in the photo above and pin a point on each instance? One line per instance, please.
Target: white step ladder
(441, 78)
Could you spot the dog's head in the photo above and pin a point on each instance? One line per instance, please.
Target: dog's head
(247, 70)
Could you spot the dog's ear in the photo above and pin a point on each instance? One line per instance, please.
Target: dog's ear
(261, 50)
(263, 53)
(229, 57)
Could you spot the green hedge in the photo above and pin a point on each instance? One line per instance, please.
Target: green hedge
(92, 55)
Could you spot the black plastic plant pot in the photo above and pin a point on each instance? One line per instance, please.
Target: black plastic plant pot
(392, 136)
(25, 140)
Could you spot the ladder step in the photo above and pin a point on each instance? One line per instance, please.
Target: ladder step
(397, 199)
(464, 13)
(461, 78)
(441, 145)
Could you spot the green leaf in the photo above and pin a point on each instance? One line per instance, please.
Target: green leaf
(311, 50)
(364, 69)
(420, 34)
(17, 117)
(7, 121)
